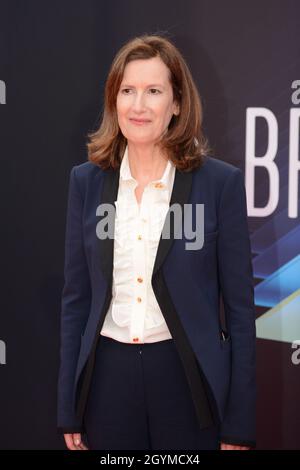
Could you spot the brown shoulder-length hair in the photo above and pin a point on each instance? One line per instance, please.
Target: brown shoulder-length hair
(184, 142)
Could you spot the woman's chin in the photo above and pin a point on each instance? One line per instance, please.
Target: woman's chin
(138, 140)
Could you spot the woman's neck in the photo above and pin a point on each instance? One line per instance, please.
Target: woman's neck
(146, 163)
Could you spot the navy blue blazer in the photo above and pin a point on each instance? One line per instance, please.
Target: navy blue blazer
(188, 285)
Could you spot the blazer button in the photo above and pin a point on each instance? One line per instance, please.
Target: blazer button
(135, 340)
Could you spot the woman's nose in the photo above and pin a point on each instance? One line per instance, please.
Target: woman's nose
(138, 102)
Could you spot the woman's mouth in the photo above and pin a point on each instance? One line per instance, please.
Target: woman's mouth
(140, 122)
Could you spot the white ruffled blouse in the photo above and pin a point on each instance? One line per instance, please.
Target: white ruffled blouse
(134, 315)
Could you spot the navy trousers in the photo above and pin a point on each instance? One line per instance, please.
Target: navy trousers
(140, 399)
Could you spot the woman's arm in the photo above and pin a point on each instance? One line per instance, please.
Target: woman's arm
(236, 281)
(75, 307)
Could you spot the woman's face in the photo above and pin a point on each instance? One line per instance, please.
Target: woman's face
(145, 103)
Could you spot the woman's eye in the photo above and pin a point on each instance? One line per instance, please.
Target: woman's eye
(155, 90)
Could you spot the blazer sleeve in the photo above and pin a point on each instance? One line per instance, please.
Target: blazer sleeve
(237, 287)
(75, 307)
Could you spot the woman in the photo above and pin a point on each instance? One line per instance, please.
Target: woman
(146, 362)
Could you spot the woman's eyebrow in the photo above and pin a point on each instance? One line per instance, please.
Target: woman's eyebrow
(151, 85)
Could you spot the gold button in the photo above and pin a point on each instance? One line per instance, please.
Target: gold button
(139, 299)
(140, 279)
(139, 237)
(135, 339)
(159, 185)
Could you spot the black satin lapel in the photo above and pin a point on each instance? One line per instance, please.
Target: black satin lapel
(180, 195)
(108, 196)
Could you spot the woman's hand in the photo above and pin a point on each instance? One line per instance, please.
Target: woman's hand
(232, 447)
(74, 442)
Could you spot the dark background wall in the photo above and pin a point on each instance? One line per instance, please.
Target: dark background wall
(54, 59)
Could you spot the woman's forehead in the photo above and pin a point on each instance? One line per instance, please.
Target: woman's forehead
(151, 70)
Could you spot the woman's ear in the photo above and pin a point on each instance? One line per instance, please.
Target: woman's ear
(177, 110)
